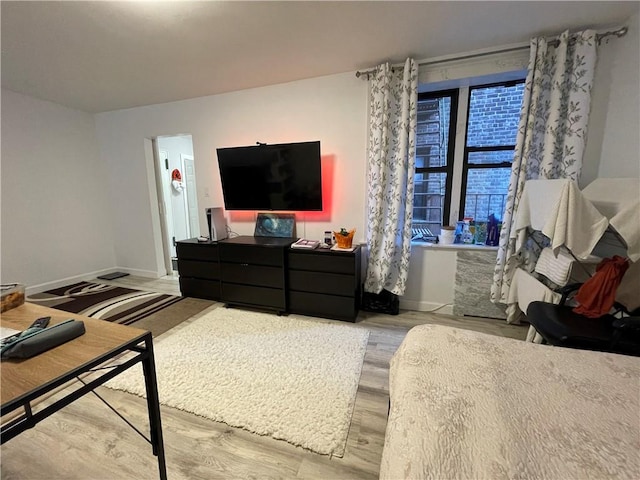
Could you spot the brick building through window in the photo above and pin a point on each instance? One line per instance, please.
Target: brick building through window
(490, 127)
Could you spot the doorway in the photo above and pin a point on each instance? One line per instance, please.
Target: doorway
(176, 178)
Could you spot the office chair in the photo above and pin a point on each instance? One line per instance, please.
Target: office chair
(616, 332)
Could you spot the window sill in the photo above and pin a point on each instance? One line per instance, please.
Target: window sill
(455, 246)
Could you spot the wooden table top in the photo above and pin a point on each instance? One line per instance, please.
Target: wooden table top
(21, 376)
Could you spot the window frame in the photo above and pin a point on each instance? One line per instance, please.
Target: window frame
(457, 165)
(466, 166)
(448, 167)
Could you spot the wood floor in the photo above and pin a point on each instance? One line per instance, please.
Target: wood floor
(87, 441)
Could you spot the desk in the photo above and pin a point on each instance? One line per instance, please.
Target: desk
(25, 381)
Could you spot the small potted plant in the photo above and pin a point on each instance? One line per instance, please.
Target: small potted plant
(344, 238)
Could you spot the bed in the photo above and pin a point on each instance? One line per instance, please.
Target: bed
(462, 406)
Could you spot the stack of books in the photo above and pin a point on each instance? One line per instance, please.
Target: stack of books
(304, 243)
(336, 248)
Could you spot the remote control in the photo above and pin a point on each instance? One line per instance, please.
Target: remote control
(40, 323)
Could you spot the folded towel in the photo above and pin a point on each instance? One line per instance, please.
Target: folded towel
(557, 269)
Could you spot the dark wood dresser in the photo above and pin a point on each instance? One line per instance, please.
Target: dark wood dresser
(264, 272)
(199, 269)
(253, 271)
(324, 283)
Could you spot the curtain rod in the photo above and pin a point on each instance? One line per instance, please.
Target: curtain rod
(621, 32)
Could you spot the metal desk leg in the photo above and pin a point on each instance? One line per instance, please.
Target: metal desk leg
(153, 406)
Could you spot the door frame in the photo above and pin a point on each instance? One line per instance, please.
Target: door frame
(163, 180)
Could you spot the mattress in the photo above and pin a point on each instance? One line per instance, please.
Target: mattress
(469, 405)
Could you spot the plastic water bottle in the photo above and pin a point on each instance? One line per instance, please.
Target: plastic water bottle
(467, 236)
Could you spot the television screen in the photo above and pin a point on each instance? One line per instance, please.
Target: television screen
(271, 177)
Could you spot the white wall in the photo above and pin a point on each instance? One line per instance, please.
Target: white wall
(431, 282)
(331, 109)
(56, 219)
(620, 153)
(613, 142)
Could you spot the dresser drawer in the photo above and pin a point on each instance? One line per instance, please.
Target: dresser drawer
(259, 296)
(199, 269)
(193, 287)
(197, 251)
(319, 282)
(320, 305)
(333, 263)
(252, 274)
(252, 254)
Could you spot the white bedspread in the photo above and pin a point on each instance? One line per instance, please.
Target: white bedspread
(462, 408)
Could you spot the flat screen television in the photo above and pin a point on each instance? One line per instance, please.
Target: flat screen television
(285, 176)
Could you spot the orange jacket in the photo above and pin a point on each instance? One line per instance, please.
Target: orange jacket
(596, 295)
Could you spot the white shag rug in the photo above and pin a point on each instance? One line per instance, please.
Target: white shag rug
(292, 378)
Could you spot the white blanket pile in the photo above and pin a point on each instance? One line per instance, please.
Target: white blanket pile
(574, 221)
(618, 199)
(559, 210)
(463, 406)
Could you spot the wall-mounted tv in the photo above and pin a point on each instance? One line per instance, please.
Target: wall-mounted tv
(285, 176)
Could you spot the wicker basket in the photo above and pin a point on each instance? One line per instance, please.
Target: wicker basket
(344, 241)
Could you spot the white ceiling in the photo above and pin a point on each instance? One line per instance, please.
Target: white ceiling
(102, 56)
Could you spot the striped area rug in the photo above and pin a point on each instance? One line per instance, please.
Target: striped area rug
(106, 302)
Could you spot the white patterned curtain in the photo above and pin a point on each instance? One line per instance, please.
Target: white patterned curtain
(391, 167)
(551, 133)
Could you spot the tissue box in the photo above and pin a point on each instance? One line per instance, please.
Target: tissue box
(12, 296)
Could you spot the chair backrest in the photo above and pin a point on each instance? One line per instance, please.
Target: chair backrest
(628, 292)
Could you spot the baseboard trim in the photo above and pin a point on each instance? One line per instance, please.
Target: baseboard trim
(85, 277)
(444, 308)
(138, 273)
(66, 281)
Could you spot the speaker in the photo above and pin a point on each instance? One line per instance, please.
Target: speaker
(216, 223)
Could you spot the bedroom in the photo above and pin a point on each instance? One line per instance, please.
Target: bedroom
(100, 158)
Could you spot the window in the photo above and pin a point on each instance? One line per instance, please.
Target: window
(435, 138)
(464, 174)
